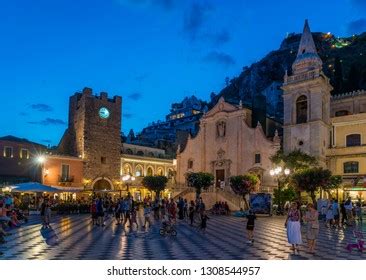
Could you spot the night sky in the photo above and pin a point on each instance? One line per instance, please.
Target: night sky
(152, 52)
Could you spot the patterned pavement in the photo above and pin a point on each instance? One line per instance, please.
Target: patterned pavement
(74, 237)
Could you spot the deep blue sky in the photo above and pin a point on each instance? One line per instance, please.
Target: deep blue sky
(152, 52)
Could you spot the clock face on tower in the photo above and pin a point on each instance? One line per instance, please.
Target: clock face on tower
(104, 113)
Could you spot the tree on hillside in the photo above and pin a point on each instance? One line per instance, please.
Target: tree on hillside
(243, 185)
(155, 184)
(199, 181)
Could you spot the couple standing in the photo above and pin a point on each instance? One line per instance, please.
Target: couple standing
(293, 227)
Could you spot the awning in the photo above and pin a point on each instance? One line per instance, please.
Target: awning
(32, 187)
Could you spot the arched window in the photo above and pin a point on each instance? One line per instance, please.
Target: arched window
(129, 151)
(342, 113)
(353, 140)
(139, 171)
(151, 154)
(127, 169)
(190, 164)
(140, 153)
(150, 171)
(160, 171)
(302, 109)
(350, 167)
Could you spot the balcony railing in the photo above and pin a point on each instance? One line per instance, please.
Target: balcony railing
(66, 179)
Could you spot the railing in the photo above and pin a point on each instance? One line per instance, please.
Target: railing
(66, 179)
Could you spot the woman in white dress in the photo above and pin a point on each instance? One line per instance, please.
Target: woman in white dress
(293, 227)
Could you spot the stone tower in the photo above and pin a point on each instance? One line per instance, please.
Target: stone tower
(94, 134)
(307, 102)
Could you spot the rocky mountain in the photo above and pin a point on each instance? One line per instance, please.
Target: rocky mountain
(344, 62)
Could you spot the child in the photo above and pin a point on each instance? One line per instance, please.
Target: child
(204, 222)
(251, 217)
(147, 211)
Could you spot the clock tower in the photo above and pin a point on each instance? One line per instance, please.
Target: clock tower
(94, 134)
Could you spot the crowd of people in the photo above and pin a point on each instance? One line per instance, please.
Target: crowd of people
(125, 211)
(221, 208)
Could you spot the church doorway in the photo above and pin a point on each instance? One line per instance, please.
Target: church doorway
(220, 178)
(102, 184)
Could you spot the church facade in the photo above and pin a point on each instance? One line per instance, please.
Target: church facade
(227, 145)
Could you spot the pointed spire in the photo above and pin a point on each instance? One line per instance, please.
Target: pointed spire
(307, 56)
(307, 44)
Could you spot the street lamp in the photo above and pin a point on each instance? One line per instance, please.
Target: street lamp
(41, 159)
(128, 180)
(278, 172)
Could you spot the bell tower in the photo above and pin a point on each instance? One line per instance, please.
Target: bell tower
(307, 102)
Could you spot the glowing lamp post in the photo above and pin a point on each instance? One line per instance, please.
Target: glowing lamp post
(128, 180)
(277, 173)
(41, 160)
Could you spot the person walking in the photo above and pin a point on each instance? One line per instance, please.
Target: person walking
(204, 220)
(344, 213)
(147, 213)
(349, 211)
(312, 229)
(251, 217)
(293, 227)
(93, 211)
(191, 212)
(335, 208)
(100, 212)
(185, 209)
(329, 216)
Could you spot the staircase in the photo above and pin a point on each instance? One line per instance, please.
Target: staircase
(210, 196)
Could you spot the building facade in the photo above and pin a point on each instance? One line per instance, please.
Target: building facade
(227, 145)
(18, 160)
(140, 161)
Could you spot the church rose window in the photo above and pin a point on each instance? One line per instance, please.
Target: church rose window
(350, 167)
(353, 140)
(302, 109)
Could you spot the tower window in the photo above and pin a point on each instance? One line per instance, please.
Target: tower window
(190, 164)
(350, 167)
(302, 109)
(257, 158)
(353, 140)
(103, 160)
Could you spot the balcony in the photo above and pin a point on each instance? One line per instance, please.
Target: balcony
(65, 179)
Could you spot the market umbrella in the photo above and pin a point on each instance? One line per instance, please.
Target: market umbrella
(32, 187)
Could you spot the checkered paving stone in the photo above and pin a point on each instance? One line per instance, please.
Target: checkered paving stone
(74, 237)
